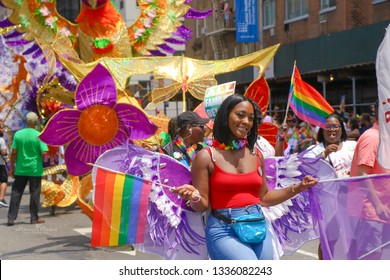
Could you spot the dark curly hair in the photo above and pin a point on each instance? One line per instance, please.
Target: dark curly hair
(221, 131)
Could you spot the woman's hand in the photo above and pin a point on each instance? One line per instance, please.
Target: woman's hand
(187, 192)
(307, 182)
(331, 149)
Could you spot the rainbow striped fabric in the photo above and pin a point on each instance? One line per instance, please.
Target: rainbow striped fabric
(306, 102)
(120, 209)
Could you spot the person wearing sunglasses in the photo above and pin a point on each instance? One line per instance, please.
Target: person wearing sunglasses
(333, 145)
(190, 132)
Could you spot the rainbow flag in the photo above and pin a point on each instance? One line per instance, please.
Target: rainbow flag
(306, 102)
(120, 209)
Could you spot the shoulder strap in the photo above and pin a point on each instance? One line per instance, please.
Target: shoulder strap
(259, 154)
(210, 151)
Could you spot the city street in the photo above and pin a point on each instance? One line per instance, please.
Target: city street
(66, 236)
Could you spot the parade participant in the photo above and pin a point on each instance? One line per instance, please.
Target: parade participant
(189, 133)
(292, 135)
(365, 122)
(374, 225)
(26, 166)
(226, 12)
(305, 137)
(332, 143)
(3, 169)
(353, 132)
(229, 178)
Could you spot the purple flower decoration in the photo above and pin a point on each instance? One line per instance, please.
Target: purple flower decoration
(97, 125)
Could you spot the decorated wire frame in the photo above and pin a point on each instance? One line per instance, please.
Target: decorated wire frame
(55, 94)
(196, 75)
(101, 26)
(259, 92)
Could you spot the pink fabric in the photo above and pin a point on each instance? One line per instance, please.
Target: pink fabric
(366, 154)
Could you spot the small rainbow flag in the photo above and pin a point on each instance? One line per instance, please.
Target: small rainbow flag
(306, 102)
(120, 209)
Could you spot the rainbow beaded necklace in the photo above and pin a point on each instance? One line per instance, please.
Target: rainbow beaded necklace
(236, 144)
(190, 151)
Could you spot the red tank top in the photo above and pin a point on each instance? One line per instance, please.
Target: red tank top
(230, 190)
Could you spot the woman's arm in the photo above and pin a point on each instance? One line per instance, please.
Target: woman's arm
(200, 183)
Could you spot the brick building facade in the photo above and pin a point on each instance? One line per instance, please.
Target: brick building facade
(333, 42)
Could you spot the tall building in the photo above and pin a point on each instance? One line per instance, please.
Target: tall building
(334, 43)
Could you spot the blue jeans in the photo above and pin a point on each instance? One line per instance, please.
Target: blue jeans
(223, 244)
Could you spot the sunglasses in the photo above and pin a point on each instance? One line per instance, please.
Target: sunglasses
(198, 125)
(332, 127)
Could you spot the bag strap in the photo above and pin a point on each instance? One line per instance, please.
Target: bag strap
(227, 220)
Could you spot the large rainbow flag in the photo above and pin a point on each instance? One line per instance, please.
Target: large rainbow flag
(306, 102)
(120, 209)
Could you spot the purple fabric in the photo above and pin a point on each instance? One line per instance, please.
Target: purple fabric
(61, 128)
(184, 241)
(195, 14)
(31, 50)
(167, 48)
(5, 23)
(349, 227)
(98, 87)
(77, 154)
(295, 225)
(183, 32)
(175, 41)
(38, 54)
(17, 43)
(156, 53)
(12, 34)
(141, 127)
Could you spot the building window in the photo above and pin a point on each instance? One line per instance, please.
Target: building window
(296, 9)
(269, 13)
(121, 5)
(327, 5)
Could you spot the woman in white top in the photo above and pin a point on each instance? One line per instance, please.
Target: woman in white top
(332, 143)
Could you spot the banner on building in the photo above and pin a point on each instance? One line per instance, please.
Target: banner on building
(247, 23)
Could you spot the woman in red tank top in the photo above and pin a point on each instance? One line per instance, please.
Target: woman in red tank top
(229, 178)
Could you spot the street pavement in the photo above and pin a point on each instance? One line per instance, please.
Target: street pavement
(66, 236)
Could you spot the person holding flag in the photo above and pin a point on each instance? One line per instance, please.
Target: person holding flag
(229, 177)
